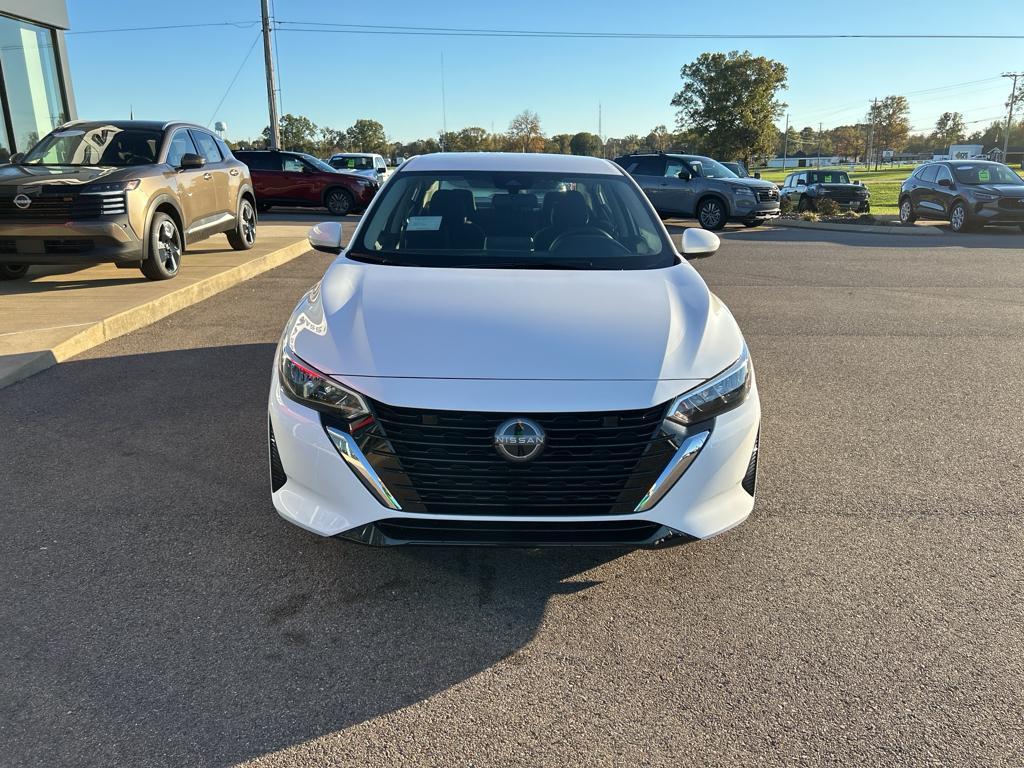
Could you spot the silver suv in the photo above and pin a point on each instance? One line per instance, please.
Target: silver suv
(701, 188)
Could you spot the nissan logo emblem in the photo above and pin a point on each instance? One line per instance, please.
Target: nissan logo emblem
(519, 440)
(22, 201)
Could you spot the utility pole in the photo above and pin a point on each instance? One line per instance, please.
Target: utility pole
(444, 110)
(871, 139)
(1009, 116)
(819, 145)
(268, 60)
(785, 144)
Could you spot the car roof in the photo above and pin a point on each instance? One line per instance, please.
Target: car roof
(356, 154)
(510, 161)
(152, 125)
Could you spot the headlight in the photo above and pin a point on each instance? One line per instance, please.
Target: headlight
(743, 192)
(716, 395)
(986, 197)
(302, 382)
(111, 186)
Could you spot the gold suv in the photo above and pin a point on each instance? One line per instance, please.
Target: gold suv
(134, 193)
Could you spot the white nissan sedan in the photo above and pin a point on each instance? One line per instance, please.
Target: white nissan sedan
(512, 351)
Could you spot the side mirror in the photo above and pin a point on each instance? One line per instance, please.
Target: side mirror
(326, 236)
(684, 175)
(16, 158)
(699, 244)
(190, 161)
(945, 183)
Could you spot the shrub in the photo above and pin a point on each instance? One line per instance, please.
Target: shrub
(827, 207)
(809, 216)
(785, 205)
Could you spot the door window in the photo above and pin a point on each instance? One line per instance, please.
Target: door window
(181, 145)
(207, 146)
(943, 173)
(928, 173)
(647, 166)
(292, 164)
(673, 167)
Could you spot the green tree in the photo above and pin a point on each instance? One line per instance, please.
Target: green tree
(950, 129)
(366, 136)
(584, 143)
(731, 99)
(847, 141)
(330, 141)
(298, 133)
(891, 120)
(524, 132)
(561, 143)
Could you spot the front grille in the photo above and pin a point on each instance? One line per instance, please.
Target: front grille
(767, 195)
(842, 195)
(1012, 203)
(610, 532)
(79, 245)
(444, 462)
(62, 205)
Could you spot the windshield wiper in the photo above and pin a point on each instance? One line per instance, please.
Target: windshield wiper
(527, 264)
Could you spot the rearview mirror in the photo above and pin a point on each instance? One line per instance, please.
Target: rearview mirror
(326, 236)
(190, 161)
(699, 244)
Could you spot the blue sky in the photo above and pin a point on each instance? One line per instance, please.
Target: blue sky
(336, 78)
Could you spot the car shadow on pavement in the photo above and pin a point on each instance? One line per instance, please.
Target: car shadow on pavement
(156, 611)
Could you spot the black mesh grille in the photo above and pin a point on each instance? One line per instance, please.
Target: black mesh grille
(1012, 203)
(277, 476)
(750, 478)
(610, 532)
(444, 462)
(55, 204)
(766, 195)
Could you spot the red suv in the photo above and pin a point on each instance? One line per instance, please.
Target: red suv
(295, 178)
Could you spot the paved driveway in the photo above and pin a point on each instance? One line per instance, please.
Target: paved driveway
(155, 611)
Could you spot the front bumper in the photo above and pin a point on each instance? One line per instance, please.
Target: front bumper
(316, 489)
(998, 212)
(744, 209)
(72, 242)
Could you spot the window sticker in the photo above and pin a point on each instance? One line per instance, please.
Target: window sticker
(984, 175)
(423, 224)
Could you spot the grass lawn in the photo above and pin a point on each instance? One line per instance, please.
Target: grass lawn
(884, 185)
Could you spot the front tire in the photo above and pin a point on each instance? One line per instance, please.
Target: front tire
(165, 249)
(339, 201)
(958, 217)
(907, 211)
(243, 236)
(711, 214)
(13, 271)
(804, 205)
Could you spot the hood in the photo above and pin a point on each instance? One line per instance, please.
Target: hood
(1009, 190)
(38, 175)
(839, 185)
(750, 181)
(439, 323)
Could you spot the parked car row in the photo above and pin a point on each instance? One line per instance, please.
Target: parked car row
(298, 179)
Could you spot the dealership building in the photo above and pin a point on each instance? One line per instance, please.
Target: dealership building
(35, 85)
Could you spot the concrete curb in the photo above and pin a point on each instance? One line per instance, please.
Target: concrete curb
(868, 229)
(148, 313)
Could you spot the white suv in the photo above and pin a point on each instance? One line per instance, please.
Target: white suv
(362, 163)
(512, 351)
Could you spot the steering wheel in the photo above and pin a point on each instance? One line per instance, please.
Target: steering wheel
(606, 244)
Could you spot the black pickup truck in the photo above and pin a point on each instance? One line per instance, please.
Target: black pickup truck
(805, 188)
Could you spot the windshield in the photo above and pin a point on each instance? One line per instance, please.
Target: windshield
(317, 163)
(513, 220)
(986, 173)
(708, 168)
(352, 163)
(737, 169)
(103, 146)
(828, 177)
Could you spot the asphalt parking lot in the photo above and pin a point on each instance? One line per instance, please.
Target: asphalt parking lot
(155, 611)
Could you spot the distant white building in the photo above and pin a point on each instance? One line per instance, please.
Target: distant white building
(961, 152)
(803, 160)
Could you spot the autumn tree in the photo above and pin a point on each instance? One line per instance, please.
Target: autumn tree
(890, 118)
(950, 128)
(524, 132)
(732, 100)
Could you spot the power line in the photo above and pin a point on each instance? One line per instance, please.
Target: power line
(233, 79)
(236, 24)
(383, 29)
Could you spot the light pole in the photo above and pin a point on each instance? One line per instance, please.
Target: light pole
(785, 144)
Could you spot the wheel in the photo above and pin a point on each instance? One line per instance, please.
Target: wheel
(711, 213)
(13, 271)
(338, 201)
(164, 257)
(243, 236)
(958, 220)
(907, 211)
(804, 205)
